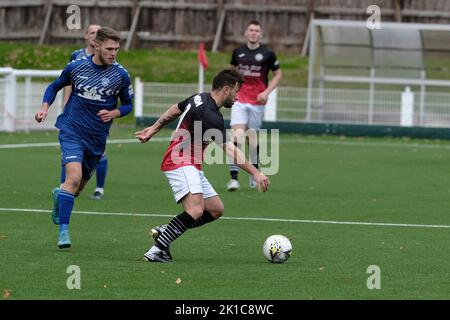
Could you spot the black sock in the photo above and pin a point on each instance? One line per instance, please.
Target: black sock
(257, 157)
(204, 219)
(234, 168)
(176, 227)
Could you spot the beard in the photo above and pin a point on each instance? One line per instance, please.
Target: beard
(102, 59)
(228, 103)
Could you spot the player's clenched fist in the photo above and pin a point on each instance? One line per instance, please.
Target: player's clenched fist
(41, 114)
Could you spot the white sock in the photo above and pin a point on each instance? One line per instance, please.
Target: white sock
(99, 190)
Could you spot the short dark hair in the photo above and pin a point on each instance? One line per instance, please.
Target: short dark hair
(106, 33)
(227, 77)
(254, 22)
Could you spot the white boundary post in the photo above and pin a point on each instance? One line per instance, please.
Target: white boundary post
(10, 102)
(270, 111)
(371, 95)
(312, 61)
(139, 98)
(422, 99)
(407, 110)
(201, 77)
(27, 107)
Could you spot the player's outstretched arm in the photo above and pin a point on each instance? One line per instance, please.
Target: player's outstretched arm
(171, 114)
(50, 93)
(239, 158)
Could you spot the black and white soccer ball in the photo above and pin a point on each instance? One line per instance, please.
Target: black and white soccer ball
(277, 248)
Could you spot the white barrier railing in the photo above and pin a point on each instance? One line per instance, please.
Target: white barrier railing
(21, 96)
(349, 106)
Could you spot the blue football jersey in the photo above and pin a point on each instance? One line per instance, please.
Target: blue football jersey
(94, 88)
(77, 54)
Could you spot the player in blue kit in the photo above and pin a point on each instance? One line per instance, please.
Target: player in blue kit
(102, 167)
(97, 83)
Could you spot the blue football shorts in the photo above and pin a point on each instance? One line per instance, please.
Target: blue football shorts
(74, 149)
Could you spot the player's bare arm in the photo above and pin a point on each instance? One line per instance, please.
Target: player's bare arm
(273, 83)
(42, 114)
(171, 114)
(238, 157)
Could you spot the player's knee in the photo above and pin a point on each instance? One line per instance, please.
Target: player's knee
(196, 212)
(217, 211)
(239, 135)
(252, 140)
(72, 183)
(217, 214)
(239, 140)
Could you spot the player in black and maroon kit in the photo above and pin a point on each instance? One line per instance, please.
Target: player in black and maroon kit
(253, 61)
(200, 122)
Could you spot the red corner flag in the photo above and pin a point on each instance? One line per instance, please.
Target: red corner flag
(202, 56)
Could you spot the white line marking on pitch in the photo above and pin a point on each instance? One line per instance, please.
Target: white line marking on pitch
(56, 144)
(370, 144)
(302, 141)
(409, 225)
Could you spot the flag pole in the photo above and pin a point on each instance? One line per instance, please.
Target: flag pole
(202, 65)
(201, 77)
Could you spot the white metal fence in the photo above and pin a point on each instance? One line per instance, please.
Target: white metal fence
(327, 105)
(21, 94)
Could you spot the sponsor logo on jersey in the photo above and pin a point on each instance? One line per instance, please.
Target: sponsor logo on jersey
(250, 70)
(91, 94)
(198, 100)
(105, 82)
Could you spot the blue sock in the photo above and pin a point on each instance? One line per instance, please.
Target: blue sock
(65, 200)
(63, 174)
(102, 168)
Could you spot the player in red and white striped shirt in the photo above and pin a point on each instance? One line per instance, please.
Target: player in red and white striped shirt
(200, 122)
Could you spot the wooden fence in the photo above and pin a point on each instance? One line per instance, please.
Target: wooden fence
(185, 23)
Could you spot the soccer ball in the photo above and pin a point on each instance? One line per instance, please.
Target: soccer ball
(277, 248)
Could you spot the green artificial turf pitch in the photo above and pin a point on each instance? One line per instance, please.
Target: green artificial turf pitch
(325, 190)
